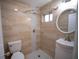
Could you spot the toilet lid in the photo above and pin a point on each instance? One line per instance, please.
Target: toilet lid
(18, 55)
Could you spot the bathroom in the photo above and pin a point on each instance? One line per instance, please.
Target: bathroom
(31, 28)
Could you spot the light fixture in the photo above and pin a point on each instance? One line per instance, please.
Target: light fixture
(15, 9)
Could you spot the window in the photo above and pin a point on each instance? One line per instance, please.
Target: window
(47, 17)
(51, 17)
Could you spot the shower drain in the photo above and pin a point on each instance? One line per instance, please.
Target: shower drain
(38, 55)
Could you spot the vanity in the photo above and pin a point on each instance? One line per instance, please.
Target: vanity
(65, 23)
(64, 49)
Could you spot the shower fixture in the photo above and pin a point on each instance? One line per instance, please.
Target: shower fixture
(32, 11)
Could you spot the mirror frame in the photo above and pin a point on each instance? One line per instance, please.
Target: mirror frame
(58, 19)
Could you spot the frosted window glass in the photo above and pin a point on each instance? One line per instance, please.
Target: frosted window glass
(51, 17)
(46, 18)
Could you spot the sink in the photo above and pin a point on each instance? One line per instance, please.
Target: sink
(64, 49)
(64, 42)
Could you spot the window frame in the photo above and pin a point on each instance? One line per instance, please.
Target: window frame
(43, 17)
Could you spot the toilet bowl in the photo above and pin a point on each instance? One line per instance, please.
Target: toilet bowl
(15, 48)
(17, 55)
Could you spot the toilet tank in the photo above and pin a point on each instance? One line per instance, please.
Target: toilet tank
(15, 46)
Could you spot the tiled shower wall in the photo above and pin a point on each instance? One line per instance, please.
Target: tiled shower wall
(49, 33)
(18, 25)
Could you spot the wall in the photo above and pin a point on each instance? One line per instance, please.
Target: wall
(1, 38)
(75, 50)
(17, 25)
(49, 32)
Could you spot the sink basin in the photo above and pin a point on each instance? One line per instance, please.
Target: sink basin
(63, 42)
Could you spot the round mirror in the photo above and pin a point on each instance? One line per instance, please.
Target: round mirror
(66, 21)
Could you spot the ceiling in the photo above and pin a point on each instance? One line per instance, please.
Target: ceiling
(35, 3)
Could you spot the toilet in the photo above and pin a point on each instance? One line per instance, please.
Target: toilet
(15, 48)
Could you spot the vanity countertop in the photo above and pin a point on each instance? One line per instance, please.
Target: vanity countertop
(64, 42)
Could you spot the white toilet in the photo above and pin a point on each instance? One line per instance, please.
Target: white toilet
(15, 48)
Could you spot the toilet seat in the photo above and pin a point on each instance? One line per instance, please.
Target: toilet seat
(17, 55)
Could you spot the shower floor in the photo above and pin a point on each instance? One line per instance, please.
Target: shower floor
(39, 54)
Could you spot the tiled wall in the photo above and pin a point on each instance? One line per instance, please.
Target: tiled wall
(18, 25)
(49, 35)
(49, 32)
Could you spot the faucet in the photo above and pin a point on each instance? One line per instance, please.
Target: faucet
(67, 37)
